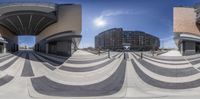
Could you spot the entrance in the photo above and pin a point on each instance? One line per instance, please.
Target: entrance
(197, 47)
(25, 43)
(1, 48)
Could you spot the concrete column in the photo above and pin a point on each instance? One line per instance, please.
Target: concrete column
(4, 47)
(47, 48)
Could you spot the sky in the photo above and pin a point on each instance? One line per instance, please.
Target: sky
(151, 16)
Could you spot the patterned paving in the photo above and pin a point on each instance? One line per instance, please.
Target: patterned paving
(47, 76)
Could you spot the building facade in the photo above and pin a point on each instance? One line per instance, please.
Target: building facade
(116, 39)
(186, 28)
(57, 27)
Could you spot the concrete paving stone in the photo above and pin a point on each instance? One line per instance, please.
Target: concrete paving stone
(107, 87)
(161, 84)
(195, 62)
(85, 62)
(164, 58)
(91, 58)
(179, 72)
(10, 63)
(5, 79)
(27, 70)
(4, 55)
(6, 58)
(161, 62)
(88, 61)
(85, 69)
(43, 62)
(120, 55)
(84, 78)
(52, 60)
(47, 61)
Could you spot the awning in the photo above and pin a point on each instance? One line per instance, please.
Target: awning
(2, 40)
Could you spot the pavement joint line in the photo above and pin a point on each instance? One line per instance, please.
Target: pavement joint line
(191, 64)
(44, 62)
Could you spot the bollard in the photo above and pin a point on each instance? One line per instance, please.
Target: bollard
(124, 55)
(108, 53)
(141, 56)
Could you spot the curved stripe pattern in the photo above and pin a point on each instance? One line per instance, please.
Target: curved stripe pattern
(6, 58)
(43, 62)
(179, 72)
(5, 79)
(161, 84)
(162, 58)
(194, 62)
(85, 69)
(56, 63)
(111, 85)
(88, 61)
(159, 61)
(27, 70)
(10, 63)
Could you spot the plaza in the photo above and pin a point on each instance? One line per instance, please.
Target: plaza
(38, 75)
(56, 67)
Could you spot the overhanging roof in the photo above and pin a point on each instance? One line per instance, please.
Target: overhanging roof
(27, 18)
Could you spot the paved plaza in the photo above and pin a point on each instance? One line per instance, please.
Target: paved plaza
(27, 75)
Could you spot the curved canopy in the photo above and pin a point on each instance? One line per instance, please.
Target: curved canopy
(27, 18)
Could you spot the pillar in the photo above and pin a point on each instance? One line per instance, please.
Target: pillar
(47, 48)
(4, 47)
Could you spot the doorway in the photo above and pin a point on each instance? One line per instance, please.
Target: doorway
(197, 47)
(1, 48)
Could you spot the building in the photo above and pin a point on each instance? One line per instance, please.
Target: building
(186, 25)
(116, 39)
(57, 27)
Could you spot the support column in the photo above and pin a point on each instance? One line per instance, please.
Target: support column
(4, 47)
(47, 48)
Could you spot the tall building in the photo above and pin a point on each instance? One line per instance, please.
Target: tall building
(116, 39)
(186, 26)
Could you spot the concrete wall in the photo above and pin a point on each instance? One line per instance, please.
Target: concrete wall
(189, 48)
(12, 40)
(7, 34)
(69, 19)
(184, 21)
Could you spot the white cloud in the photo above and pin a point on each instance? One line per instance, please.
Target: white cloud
(108, 13)
(168, 42)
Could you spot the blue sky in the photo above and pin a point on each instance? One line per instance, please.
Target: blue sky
(152, 16)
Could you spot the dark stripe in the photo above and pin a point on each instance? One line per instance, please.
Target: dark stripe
(120, 55)
(126, 54)
(191, 59)
(195, 62)
(10, 63)
(45, 64)
(115, 55)
(168, 71)
(27, 70)
(4, 55)
(161, 84)
(86, 61)
(161, 62)
(56, 63)
(5, 79)
(162, 58)
(111, 85)
(6, 58)
(85, 69)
